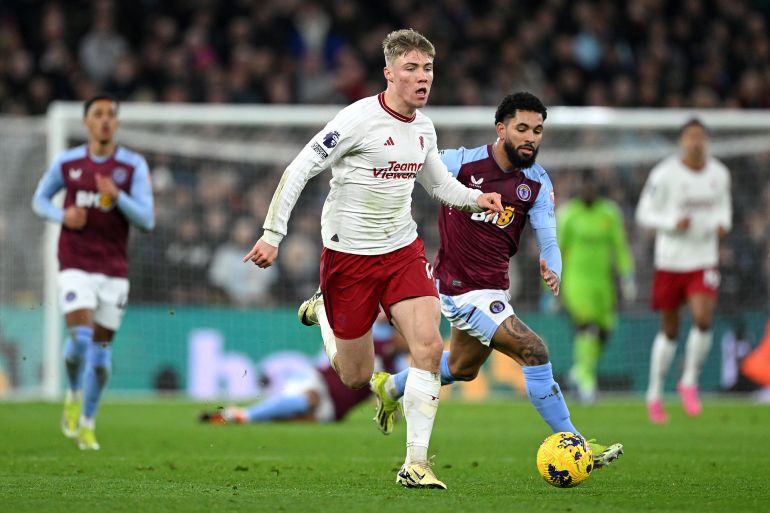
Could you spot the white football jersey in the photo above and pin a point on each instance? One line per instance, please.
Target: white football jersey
(375, 155)
(674, 191)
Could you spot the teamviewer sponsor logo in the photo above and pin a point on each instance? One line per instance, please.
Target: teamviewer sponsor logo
(398, 171)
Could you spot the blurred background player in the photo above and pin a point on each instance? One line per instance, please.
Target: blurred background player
(472, 267)
(593, 245)
(298, 390)
(686, 201)
(372, 256)
(107, 187)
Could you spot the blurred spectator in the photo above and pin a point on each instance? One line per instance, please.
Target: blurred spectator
(243, 284)
(188, 256)
(101, 48)
(705, 54)
(587, 52)
(298, 264)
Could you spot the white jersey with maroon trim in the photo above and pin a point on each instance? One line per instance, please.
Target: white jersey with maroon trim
(375, 155)
(674, 191)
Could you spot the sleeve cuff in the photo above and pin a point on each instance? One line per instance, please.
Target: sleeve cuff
(474, 207)
(271, 237)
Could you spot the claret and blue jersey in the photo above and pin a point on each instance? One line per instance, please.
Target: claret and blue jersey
(101, 246)
(474, 252)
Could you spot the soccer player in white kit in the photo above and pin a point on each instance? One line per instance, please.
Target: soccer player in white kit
(686, 200)
(377, 148)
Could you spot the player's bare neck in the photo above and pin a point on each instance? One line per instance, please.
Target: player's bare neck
(695, 163)
(101, 148)
(398, 104)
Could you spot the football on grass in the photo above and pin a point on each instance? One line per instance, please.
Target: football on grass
(564, 460)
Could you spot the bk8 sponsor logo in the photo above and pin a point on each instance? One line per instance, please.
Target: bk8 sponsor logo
(93, 199)
(499, 220)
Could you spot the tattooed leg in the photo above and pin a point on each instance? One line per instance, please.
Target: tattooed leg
(519, 342)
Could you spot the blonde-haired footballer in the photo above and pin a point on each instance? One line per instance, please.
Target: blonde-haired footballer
(377, 148)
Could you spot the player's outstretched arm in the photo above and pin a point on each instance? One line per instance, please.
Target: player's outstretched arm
(262, 254)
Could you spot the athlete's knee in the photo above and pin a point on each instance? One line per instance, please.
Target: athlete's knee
(465, 372)
(427, 354)
(593, 330)
(102, 374)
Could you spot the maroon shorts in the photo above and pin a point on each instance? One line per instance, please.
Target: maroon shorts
(354, 286)
(670, 289)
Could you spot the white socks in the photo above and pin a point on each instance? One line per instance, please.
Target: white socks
(698, 346)
(420, 406)
(330, 342)
(390, 387)
(663, 350)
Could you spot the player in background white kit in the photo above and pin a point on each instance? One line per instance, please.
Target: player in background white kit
(376, 148)
(686, 200)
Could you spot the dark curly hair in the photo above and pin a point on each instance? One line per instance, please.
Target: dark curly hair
(519, 101)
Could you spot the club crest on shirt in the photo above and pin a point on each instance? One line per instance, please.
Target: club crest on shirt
(75, 173)
(496, 307)
(523, 192)
(331, 139)
(119, 175)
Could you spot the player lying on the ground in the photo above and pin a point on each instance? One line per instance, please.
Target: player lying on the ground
(298, 390)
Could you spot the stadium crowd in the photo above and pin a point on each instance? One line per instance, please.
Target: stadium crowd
(649, 53)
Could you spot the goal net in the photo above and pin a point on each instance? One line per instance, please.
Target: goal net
(199, 320)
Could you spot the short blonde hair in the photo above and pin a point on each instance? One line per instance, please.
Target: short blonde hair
(401, 42)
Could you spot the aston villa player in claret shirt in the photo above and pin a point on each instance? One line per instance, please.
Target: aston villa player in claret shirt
(472, 267)
(106, 189)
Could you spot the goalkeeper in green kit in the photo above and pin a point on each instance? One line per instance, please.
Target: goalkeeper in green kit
(593, 244)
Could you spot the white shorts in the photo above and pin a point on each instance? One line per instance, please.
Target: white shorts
(479, 312)
(313, 382)
(105, 295)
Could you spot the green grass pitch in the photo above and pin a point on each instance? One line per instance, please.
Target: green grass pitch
(156, 457)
